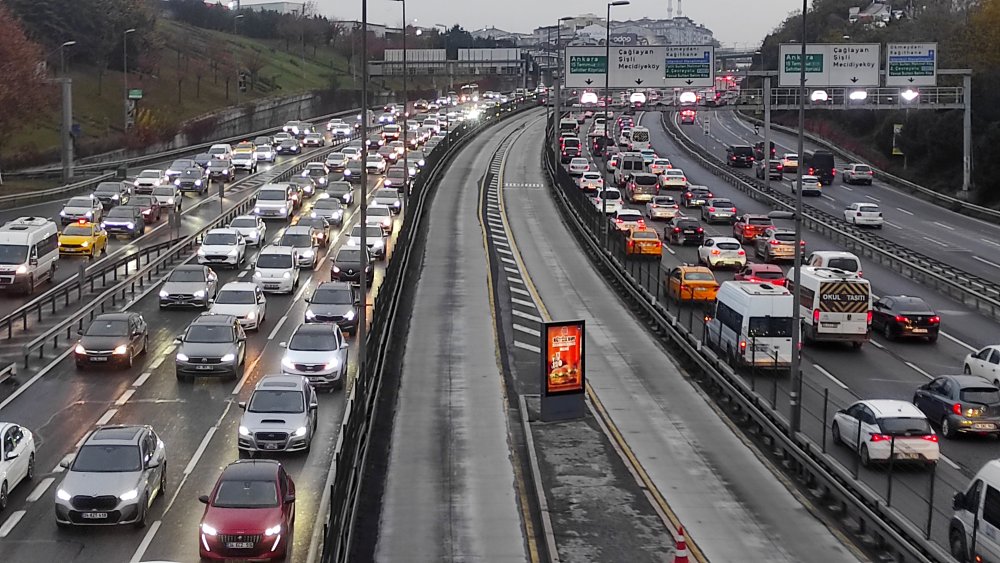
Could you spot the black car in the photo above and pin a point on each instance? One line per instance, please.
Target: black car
(304, 183)
(960, 404)
(220, 170)
(353, 171)
(125, 220)
(347, 266)
(334, 302)
(341, 190)
(696, 196)
(203, 160)
(739, 155)
(112, 194)
(289, 146)
(374, 142)
(902, 316)
(192, 180)
(396, 178)
(112, 339)
(212, 345)
(819, 163)
(684, 231)
(330, 209)
(776, 169)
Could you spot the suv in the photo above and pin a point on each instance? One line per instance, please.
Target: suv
(347, 266)
(212, 345)
(748, 226)
(857, 174)
(776, 169)
(125, 220)
(280, 416)
(192, 179)
(112, 478)
(300, 237)
(334, 302)
(147, 180)
(223, 246)
(245, 158)
(571, 148)
(220, 170)
(739, 155)
(277, 269)
(684, 230)
(318, 352)
(112, 194)
(274, 201)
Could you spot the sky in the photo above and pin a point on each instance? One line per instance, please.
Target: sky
(732, 21)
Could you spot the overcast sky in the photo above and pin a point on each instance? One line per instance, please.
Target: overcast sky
(732, 21)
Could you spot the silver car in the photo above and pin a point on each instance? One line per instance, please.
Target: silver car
(279, 417)
(251, 227)
(189, 285)
(82, 207)
(318, 352)
(113, 478)
(389, 198)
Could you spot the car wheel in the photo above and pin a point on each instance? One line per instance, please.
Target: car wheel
(835, 432)
(946, 430)
(163, 480)
(144, 517)
(967, 370)
(145, 344)
(129, 355)
(31, 467)
(956, 540)
(865, 457)
(3, 496)
(887, 330)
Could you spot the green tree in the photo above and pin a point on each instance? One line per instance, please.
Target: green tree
(24, 90)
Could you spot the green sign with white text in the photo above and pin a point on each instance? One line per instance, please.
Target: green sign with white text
(588, 64)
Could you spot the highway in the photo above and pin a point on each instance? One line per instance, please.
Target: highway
(959, 240)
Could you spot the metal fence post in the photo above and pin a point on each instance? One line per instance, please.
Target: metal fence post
(826, 402)
(930, 502)
(892, 454)
(774, 383)
(753, 363)
(857, 452)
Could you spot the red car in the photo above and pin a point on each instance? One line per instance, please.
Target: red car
(761, 273)
(249, 514)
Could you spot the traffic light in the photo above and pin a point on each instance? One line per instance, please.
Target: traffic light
(243, 82)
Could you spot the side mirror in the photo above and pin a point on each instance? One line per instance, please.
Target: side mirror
(211, 301)
(153, 463)
(282, 344)
(289, 498)
(79, 332)
(64, 464)
(958, 501)
(841, 411)
(243, 405)
(357, 302)
(11, 456)
(344, 345)
(33, 261)
(313, 406)
(203, 499)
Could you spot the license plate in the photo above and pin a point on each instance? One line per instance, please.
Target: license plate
(270, 286)
(94, 515)
(983, 426)
(203, 368)
(723, 214)
(99, 359)
(906, 455)
(701, 289)
(919, 330)
(271, 446)
(239, 545)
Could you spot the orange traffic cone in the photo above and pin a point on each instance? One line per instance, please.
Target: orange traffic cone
(681, 550)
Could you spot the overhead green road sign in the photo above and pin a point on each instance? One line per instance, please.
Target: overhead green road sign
(588, 64)
(793, 62)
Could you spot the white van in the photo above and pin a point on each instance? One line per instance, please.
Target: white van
(276, 269)
(569, 126)
(29, 253)
(835, 259)
(628, 163)
(639, 139)
(974, 530)
(752, 324)
(836, 305)
(273, 202)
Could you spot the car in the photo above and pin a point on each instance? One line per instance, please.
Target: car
(352, 172)
(168, 196)
(775, 169)
(319, 352)
(375, 163)
(641, 187)
(264, 149)
(303, 240)
(609, 200)
(192, 179)
(398, 147)
(280, 416)
(224, 247)
(739, 155)
(243, 300)
(789, 163)
(86, 207)
(245, 158)
(341, 190)
(113, 479)
(696, 196)
(112, 340)
(777, 244)
(147, 180)
(591, 182)
(810, 186)
(578, 166)
(387, 117)
(321, 228)
(748, 226)
(334, 302)
(251, 227)
(864, 214)
(662, 207)
(627, 219)
(373, 142)
(177, 166)
(111, 194)
(289, 146)
(960, 404)
(313, 140)
(149, 206)
(338, 128)
(318, 172)
(220, 170)
(903, 316)
(352, 152)
(330, 209)
(221, 151)
(718, 209)
(274, 202)
(189, 285)
(688, 116)
(279, 138)
(346, 266)
(659, 166)
(761, 273)
(691, 284)
(684, 231)
(83, 238)
(642, 242)
(417, 158)
(722, 251)
(304, 183)
(875, 427)
(985, 363)
(380, 216)
(396, 179)
(276, 269)
(388, 198)
(336, 161)
(17, 458)
(612, 163)
(125, 220)
(249, 514)
(855, 173)
(201, 160)
(673, 179)
(648, 156)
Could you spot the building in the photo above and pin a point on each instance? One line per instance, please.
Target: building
(496, 34)
(588, 28)
(280, 7)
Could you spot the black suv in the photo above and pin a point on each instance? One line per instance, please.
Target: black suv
(684, 231)
(334, 302)
(347, 266)
(739, 155)
(112, 194)
(192, 180)
(212, 345)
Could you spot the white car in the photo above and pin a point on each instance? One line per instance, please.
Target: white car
(338, 128)
(381, 216)
(251, 227)
(591, 181)
(867, 214)
(874, 427)
(264, 153)
(353, 153)
(273, 201)
(305, 243)
(245, 159)
(722, 251)
(225, 247)
(243, 300)
(985, 363)
(317, 351)
(17, 458)
(659, 166)
(857, 174)
(168, 196)
(375, 163)
(673, 178)
(627, 219)
(810, 186)
(614, 200)
(662, 207)
(578, 166)
(276, 269)
(222, 151)
(336, 161)
(147, 180)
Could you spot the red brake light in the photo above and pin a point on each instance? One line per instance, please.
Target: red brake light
(709, 195)
(711, 210)
(935, 320)
(816, 316)
(881, 438)
(688, 194)
(81, 221)
(902, 319)
(743, 344)
(700, 230)
(930, 437)
(677, 229)
(742, 252)
(869, 317)
(773, 242)
(957, 408)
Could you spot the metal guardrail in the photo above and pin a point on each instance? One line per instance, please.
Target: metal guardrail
(831, 483)
(13, 200)
(8, 372)
(944, 200)
(971, 290)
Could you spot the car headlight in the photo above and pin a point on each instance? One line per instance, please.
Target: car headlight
(177, 182)
(308, 254)
(22, 269)
(129, 495)
(164, 294)
(347, 172)
(182, 357)
(388, 182)
(386, 222)
(349, 316)
(170, 201)
(232, 252)
(89, 214)
(201, 252)
(283, 209)
(80, 349)
(336, 270)
(197, 182)
(273, 530)
(257, 274)
(199, 294)
(244, 431)
(208, 530)
(256, 210)
(251, 316)
(352, 242)
(286, 275)
(121, 350)
(62, 213)
(85, 243)
(287, 363)
(228, 357)
(378, 243)
(310, 314)
(332, 364)
(63, 495)
(338, 213)
(300, 431)
(116, 196)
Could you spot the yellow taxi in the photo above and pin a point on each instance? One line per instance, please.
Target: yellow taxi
(691, 283)
(245, 146)
(643, 242)
(83, 238)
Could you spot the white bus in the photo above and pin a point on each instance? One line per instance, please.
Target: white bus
(639, 139)
(29, 253)
(470, 93)
(752, 325)
(836, 305)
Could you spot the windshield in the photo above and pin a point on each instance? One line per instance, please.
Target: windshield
(235, 297)
(861, 168)
(272, 195)
(187, 276)
(313, 341)
(661, 162)
(722, 203)
(728, 245)
(149, 174)
(244, 222)
(765, 275)
(868, 208)
(335, 156)
(192, 173)
(181, 164)
(904, 426)
(847, 264)
(246, 494)
(981, 395)
(371, 232)
(396, 173)
(13, 254)
(663, 200)
(218, 150)
(611, 194)
(698, 276)
(333, 297)
(759, 221)
(77, 230)
(770, 327)
(274, 261)
(297, 240)
(784, 237)
(640, 136)
(163, 190)
(209, 334)
(276, 401)
(327, 204)
(108, 328)
(107, 459)
(219, 239)
(379, 212)
(142, 200)
(349, 256)
(80, 202)
(791, 157)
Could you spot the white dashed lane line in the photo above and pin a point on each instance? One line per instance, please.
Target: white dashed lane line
(829, 375)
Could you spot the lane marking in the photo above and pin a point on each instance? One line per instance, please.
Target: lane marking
(40, 489)
(155, 364)
(850, 189)
(876, 344)
(515, 280)
(822, 370)
(125, 397)
(11, 521)
(917, 369)
(893, 225)
(827, 197)
(994, 243)
(526, 330)
(141, 379)
(951, 463)
(17, 392)
(875, 199)
(521, 291)
(985, 261)
(277, 327)
(507, 260)
(522, 302)
(904, 211)
(301, 291)
(528, 347)
(517, 313)
(511, 270)
(939, 243)
(106, 417)
(146, 540)
(949, 227)
(200, 451)
(957, 341)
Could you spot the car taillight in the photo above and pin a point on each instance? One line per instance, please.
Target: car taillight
(683, 179)
(619, 221)
(742, 252)
(934, 320)
(902, 319)
(815, 316)
(709, 195)
(869, 317)
(743, 345)
(859, 214)
(716, 252)
(811, 170)
(700, 230)
(930, 437)
(688, 194)
(880, 438)
(957, 408)
(711, 210)
(870, 173)
(833, 172)
(773, 242)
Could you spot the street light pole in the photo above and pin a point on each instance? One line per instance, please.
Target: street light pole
(556, 110)
(607, 102)
(125, 73)
(406, 113)
(363, 312)
(236, 55)
(795, 396)
(67, 114)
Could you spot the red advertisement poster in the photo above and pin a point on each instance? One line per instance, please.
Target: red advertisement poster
(563, 361)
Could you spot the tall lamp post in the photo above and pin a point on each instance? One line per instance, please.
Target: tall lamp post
(451, 80)
(406, 113)
(67, 113)
(363, 209)
(236, 55)
(125, 70)
(607, 102)
(795, 396)
(556, 111)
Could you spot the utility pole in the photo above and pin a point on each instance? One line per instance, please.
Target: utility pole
(236, 55)
(128, 102)
(363, 313)
(795, 394)
(66, 84)
(406, 113)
